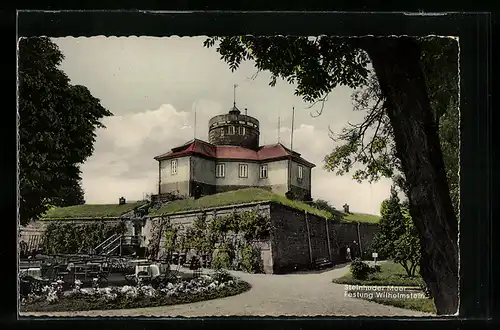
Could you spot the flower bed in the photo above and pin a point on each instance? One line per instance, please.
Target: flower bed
(52, 298)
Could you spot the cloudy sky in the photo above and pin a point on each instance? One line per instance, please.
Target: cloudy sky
(153, 86)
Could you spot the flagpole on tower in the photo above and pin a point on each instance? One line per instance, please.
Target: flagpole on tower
(234, 94)
(195, 120)
(279, 127)
(291, 136)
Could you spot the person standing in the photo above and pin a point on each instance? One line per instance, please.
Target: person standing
(348, 253)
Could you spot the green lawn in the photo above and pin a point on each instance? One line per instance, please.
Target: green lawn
(391, 274)
(362, 217)
(91, 211)
(240, 196)
(423, 305)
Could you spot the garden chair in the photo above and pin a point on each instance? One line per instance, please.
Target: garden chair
(80, 272)
(195, 266)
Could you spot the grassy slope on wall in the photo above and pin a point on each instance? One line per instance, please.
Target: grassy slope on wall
(362, 217)
(91, 211)
(241, 196)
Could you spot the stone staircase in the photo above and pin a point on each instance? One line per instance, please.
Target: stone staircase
(117, 244)
(322, 263)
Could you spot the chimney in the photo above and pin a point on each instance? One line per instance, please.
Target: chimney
(121, 201)
(346, 208)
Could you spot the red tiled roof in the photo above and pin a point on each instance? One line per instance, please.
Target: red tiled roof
(206, 149)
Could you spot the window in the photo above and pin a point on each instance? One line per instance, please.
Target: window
(263, 171)
(231, 130)
(301, 173)
(173, 166)
(243, 172)
(219, 170)
(242, 130)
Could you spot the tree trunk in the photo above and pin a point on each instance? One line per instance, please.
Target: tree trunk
(405, 266)
(397, 64)
(413, 268)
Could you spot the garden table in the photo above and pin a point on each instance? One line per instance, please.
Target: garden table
(33, 272)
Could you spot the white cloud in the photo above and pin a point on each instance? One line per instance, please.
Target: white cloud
(138, 137)
(130, 130)
(314, 145)
(178, 76)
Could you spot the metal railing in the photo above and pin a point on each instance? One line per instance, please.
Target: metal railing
(112, 245)
(117, 241)
(132, 240)
(106, 241)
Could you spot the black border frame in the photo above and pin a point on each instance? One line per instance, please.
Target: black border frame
(474, 32)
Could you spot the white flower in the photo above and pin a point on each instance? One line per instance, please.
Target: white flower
(230, 282)
(212, 285)
(131, 294)
(222, 285)
(78, 282)
(126, 288)
(110, 296)
(59, 281)
(52, 297)
(68, 293)
(104, 291)
(170, 286)
(87, 291)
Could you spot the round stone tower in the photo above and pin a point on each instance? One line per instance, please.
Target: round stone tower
(234, 129)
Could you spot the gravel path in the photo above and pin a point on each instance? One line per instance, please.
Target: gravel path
(299, 294)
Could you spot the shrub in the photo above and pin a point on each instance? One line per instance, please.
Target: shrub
(68, 237)
(161, 281)
(290, 195)
(30, 285)
(222, 259)
(251, 261)
(360, 270)
(376, 269)
(222, 276)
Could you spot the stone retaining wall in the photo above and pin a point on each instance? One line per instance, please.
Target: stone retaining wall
(297, 238)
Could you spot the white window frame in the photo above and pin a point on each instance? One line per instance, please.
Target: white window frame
(173, 166)
(231, 130)
(243, 171)
(263, 171)
(220, 170)
(301, 172)
(242, 130)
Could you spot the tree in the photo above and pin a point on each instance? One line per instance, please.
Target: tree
(317, 65)
(323, 205)
(57, 123)
(69, 195)
(397, 238)
(371, 142)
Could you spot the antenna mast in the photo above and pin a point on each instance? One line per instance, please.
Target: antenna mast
(234, 94)
(279, 128)
(195, 120)
(291, 137)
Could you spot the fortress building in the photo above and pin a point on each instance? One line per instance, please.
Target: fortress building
(232, 159)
